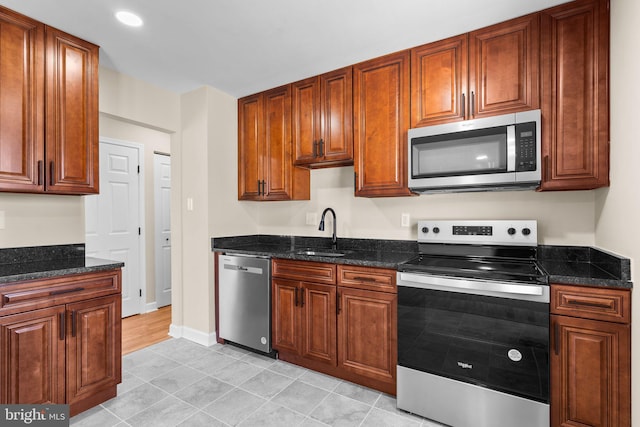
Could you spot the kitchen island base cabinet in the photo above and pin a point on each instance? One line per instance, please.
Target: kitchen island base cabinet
(590, 357)
(67, 352)
(338, 320)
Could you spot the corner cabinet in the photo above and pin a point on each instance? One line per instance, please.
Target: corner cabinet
(575, 94)
(483, 73)
(590, 356)
(322, 117)
(265, 163)
(380, 125)
(60, 340)
(49, 96)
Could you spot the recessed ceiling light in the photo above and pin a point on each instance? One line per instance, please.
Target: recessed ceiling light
(129, 18)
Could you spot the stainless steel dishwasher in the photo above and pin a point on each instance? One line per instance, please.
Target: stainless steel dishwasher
(244, 292)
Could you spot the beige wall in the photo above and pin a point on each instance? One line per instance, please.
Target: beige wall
(564, 217)
(38, 219)
(618, 207)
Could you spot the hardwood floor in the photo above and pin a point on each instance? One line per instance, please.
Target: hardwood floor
(143, 330)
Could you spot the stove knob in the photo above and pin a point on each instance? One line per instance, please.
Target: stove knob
(511, 231)
(436, 230)
(526, 231)
(425, 230)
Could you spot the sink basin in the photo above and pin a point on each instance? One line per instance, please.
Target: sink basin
(320, 252)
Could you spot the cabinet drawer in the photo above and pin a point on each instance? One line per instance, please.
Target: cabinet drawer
(613, 305)
(317, 272)
(33, 294)
(371, 278)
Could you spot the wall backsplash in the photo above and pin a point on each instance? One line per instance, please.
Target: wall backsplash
(563, 217)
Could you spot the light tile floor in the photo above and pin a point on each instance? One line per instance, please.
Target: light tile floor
(180, 383)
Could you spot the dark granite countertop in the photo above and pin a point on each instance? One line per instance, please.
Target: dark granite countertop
(41, 262)
(364, 252)
(584, 266)
(563, 264)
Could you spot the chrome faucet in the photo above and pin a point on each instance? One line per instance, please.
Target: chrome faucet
(334, 238)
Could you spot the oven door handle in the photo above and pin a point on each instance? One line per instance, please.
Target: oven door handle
(512, 290)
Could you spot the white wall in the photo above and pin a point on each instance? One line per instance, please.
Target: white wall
(618, 207)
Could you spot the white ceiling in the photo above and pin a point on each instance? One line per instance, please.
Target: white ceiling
(246, 46)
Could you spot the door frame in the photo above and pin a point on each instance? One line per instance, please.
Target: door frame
(141, 214)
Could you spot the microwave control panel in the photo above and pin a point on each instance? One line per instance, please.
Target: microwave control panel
(526, 147)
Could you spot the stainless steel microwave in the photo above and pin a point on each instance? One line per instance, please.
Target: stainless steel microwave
(488, 154)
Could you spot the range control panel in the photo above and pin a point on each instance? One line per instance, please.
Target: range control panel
(498, 232)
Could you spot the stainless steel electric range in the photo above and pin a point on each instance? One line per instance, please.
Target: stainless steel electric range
(473, 326)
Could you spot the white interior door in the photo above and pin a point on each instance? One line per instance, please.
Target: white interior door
(112, 218)
(162, 195)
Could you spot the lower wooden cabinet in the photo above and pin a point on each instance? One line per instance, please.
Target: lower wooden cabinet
(32, 357)
(590, 357)
(367, 331)
(344, 326)
(304, 322)
(66, 353)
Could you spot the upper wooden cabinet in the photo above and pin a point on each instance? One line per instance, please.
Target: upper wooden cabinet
(322, 115)
(486, 72)
(575, 94)
(380, 125)
(72, 115)
(21, 103)
(265, 164)
(49, 109)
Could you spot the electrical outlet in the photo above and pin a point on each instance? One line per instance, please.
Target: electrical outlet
(312, 218)
(406, 220)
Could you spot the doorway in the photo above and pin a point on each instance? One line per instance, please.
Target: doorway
(162, 196)
(113, 218)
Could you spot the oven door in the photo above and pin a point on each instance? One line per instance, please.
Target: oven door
(467, 341)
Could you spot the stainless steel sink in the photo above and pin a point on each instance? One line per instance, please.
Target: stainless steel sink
(320, 252)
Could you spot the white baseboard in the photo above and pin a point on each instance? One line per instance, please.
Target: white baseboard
(151, 306)
(194, 335)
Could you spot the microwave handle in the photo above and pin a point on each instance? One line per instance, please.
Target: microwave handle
(511, 148)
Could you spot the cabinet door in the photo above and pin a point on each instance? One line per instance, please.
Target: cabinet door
(381, 121)
(367, 336)
(22, 103)
(285, 315)
(283, 180)
(72, 114)
(32, 357)
(575, 108)
(336, 145)
(318, 304)
(439, 75)
(94, 349)
(277, 162)
(504, 66)
(305, 100)
(250, 136)
(590, 373)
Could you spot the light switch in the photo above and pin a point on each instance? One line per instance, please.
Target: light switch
(406, 220)
(189, 203)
